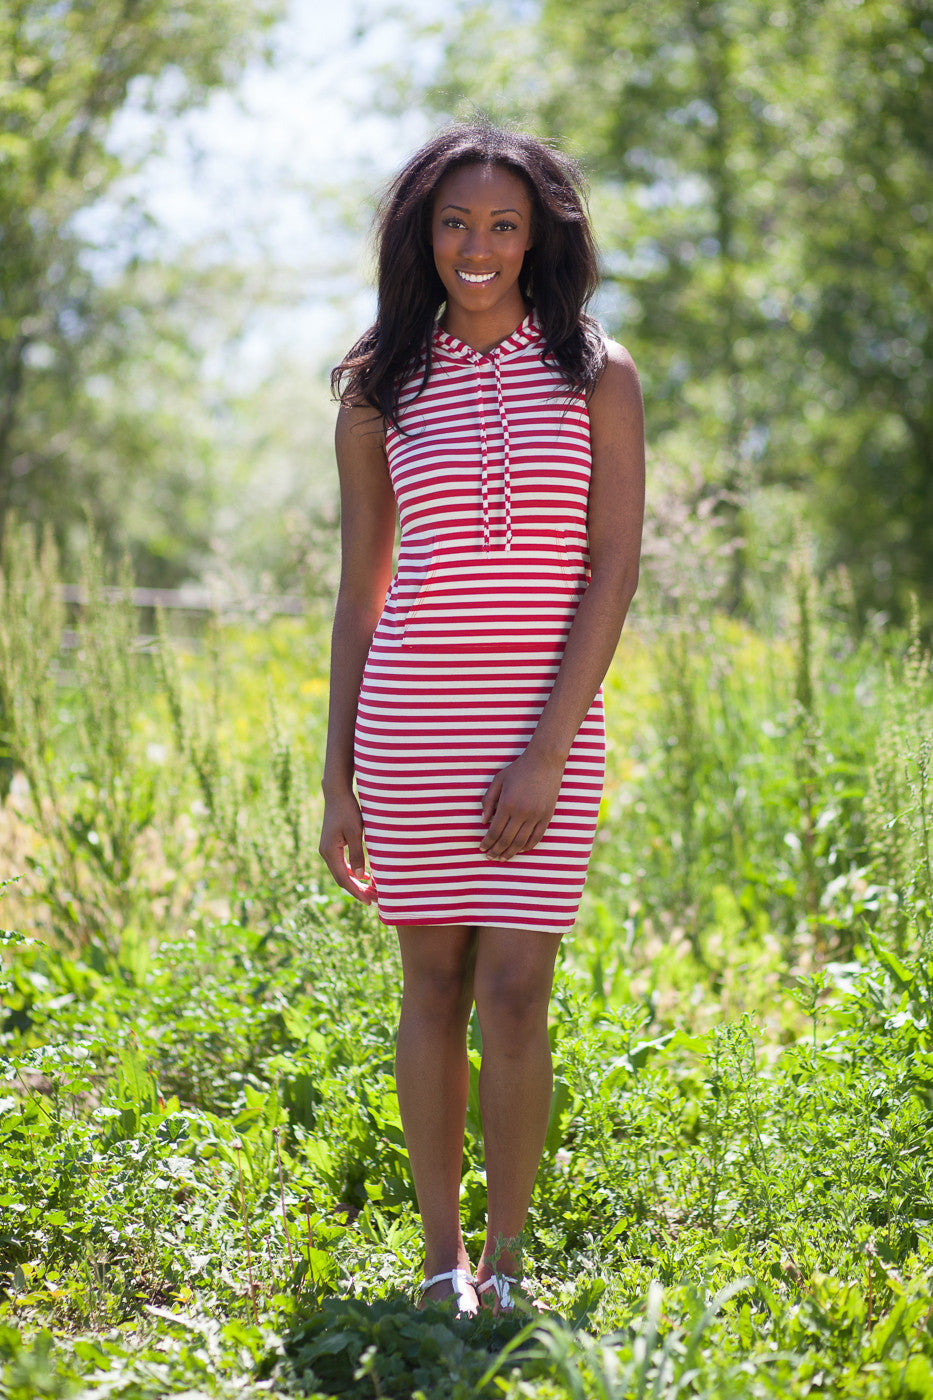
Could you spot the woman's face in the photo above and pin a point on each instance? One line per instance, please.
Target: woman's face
(480, 232)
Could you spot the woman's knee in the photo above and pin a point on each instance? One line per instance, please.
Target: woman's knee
(512, 1005)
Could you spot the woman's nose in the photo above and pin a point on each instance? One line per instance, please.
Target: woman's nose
(476, 243)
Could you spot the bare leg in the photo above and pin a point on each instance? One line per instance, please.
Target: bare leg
(432, 1078)
(512, 984)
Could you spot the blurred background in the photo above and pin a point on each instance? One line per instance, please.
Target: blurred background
(186, 196)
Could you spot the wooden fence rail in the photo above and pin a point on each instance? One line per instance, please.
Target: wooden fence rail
(191, 600)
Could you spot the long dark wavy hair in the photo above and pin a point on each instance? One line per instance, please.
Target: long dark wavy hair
(558, 276)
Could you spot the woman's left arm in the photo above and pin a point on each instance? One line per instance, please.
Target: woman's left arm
(521, 799)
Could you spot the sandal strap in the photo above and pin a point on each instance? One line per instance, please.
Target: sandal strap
(500, 1282)
(461, 1280)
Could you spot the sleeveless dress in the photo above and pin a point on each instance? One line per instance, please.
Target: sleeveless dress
(491, 475)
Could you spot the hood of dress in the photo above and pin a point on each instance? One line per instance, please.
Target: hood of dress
(447, 347)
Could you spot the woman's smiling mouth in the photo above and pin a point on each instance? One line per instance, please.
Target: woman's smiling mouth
(476, 277)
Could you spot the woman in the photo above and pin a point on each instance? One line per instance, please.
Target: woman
(487, 411)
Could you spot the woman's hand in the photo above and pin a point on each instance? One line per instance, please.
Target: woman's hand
(342, 847)
(519, 803)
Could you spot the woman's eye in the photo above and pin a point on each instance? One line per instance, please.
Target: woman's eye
(501, 226)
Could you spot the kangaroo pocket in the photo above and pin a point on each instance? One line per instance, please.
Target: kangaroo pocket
(414, 566)
(496, 601)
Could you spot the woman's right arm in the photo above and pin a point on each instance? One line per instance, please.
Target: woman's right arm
(367, 537)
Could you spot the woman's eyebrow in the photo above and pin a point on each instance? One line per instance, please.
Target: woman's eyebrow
(493, 212)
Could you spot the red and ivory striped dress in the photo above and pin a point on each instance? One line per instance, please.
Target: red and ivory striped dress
(491, 474)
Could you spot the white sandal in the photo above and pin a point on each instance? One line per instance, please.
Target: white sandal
(500, 1282)
(461, 1280)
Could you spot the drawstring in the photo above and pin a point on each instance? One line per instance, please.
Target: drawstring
(484, 451)
(506, 474)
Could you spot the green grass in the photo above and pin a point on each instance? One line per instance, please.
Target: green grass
(203, 1179)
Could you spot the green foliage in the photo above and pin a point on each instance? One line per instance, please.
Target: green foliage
(32, 619)
(794, 1185)
(92, 346)
(204, 1186)
(351, 1348)
(272, 852)
(741, 793)
(93, 788)
(900, 807)
(761, 176)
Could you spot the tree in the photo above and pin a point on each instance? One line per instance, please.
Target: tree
(762, 186)
(93, 348)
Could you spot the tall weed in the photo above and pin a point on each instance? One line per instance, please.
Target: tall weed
(736, 801)
(258, 814)
(32, 620)
(79, 741)
(900, 796)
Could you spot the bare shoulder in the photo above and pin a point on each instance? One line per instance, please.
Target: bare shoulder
(617, 395)
(359, 429)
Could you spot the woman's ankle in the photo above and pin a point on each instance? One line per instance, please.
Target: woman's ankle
(501, 1255)
(443, 1260)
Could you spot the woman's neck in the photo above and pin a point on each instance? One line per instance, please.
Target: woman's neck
(483, 330)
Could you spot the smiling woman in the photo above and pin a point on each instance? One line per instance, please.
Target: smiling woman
(488, 412)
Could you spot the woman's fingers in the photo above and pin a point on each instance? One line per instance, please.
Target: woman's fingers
(491, 798)
(356, 858)
(356, 879)
(509, 836)
(352, 879)
(524, 839)
(504, 851)
(537, 832)
(345, 857)
(517, 807)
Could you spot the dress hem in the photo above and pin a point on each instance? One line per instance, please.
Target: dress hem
(479, 923)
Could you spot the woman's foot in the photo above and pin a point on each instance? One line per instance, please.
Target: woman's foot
(499, 1273)
(497, 1292)
(455, 1283)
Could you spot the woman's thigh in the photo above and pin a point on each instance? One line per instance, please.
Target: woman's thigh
(437, 963)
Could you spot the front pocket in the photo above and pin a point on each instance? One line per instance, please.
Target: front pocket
(411, 578)
(410, 616)
(495, 601)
